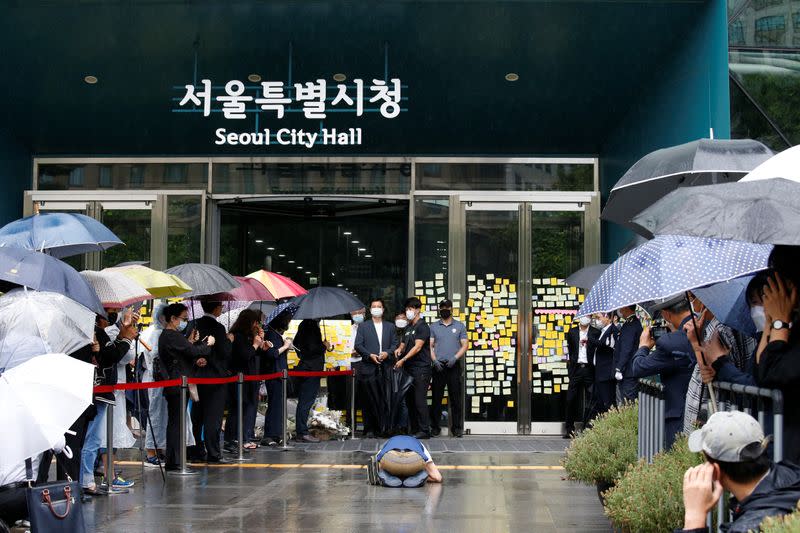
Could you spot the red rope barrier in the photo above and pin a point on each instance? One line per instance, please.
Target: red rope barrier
(218, 381)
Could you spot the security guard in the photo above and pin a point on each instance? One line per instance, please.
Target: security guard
(448, 346)
(672, 359)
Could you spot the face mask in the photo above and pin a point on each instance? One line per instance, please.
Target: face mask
(358, 318)
(377, 312)
(113, 316)
(182, 325)
(410, 314)
(759, 316)
(585, 321)
(445, 313)
(400, 323)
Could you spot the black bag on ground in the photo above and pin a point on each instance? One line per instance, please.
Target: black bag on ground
(54, 507)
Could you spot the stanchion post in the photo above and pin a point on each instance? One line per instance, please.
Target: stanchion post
(777, 410)
(353, 404)
(240, 417)
(184, 470)
(285, 418)
(662, 430)
(108, 487)
(640, 426)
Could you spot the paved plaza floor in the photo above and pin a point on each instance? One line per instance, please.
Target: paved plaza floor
(323, 488)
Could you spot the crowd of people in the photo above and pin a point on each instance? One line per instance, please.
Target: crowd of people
(608, 353)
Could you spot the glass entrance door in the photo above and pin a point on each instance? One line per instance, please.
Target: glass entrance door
(517, 310)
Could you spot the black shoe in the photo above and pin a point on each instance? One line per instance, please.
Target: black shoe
(421, 435)
(231, 447)
(369, 435)
(457, 433)
(196, 458)
(435, 432)
(218, 461)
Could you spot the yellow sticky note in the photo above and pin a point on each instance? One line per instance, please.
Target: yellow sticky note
(573, 290)
(553, 281)
(510, 403)
(556, 388)
(512, 287)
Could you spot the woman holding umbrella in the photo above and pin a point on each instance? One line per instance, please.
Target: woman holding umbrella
(178, 356)
(311, 350)
(273, 359)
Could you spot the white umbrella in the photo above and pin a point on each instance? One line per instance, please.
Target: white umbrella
(115, 289)
(784, 165)
(34, 323)
(41, 399)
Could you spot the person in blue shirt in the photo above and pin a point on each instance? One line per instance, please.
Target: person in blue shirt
(672, 358)
(403, 462)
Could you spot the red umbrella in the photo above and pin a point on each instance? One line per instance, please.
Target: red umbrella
(279, 286)
(251, 290)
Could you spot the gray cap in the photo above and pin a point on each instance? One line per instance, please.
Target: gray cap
(729, 436)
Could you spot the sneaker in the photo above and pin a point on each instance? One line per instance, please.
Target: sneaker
(152, 462)
(121, 483)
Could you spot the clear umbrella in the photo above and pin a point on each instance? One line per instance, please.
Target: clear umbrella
(115, 289)
(41, 399)
(33, 323)
(59, 234)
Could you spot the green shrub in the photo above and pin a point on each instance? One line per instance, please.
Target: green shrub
(649, 497)
(602, 452)
(789, 523)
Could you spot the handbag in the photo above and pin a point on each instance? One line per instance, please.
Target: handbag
(54, 507)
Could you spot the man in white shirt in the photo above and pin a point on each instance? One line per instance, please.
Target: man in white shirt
(580, 368)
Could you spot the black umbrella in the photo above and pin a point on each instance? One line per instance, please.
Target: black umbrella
(764, 211)
(586, 277)
(396, 385)
(701, 162)
(325, 302)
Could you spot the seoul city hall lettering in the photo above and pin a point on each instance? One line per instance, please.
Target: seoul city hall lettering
(272, 100)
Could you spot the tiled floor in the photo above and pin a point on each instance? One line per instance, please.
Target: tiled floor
(324, 488)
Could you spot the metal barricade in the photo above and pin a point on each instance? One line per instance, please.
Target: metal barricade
(651, 419)
(757, 402)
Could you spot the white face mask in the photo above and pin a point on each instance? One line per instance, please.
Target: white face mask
(401, 323)
(759, 317)
(377, 312)
(358, 318)
(585, 321)
(410, 314)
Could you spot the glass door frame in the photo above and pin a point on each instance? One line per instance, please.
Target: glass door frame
(525, 204)
(92, 203)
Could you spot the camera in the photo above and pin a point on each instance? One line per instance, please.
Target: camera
(658, 329)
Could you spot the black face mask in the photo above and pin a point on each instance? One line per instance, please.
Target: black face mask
(112, 317)
(445, 313)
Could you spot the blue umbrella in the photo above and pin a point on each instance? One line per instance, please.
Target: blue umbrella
(728, 302)
(20, 267)
(58, 234)
(289, 307)
(669, 265)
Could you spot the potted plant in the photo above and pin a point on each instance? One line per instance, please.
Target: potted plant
(649, 497)
(599, 455)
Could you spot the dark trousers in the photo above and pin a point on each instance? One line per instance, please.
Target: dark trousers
(604, 396)
(581, 378)
(69, 466)
(207, 421)
(13, 505)
(273, 421)
(672, 426)
(451, 378)
(173, 453)
(307, 389)
(249, 406)
(417, 398)
(629, 389)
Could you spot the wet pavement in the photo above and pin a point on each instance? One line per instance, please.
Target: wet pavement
(315, 489)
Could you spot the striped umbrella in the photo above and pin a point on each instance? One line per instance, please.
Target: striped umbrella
(279, 286)
(115, 289)
(159, 284)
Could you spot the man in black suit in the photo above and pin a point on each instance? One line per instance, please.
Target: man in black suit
(673, 359)
(627, 344)
(207, 413)
(604, 391)
(580, 367)
(375, 341)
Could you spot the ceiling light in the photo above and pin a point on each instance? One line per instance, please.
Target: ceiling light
(346, 233)
(259, 241)
(308, 272)
(299, 268)
(362, 249)
(281, 255)
(512, 76)
(339, 77)
(271, 249)
(356, 242)
(291, 261)
(91, 80)
(339, 285)
(255, 78)
(368, 255)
